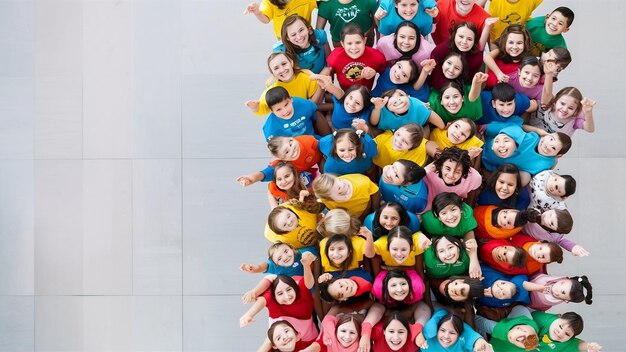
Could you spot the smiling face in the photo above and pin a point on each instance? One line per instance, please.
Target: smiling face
(400, 72)
(347, 334)
(503, 145)
(529, 76)
(284, 338)
(341, 190)
(451, 172)
(550, 220)
(398, 103)
(549, 145)
(506, 218)
(342, 289)
(464, 39)
(407, 9)
(398, 288)
(447, 334)
(401, 140)
(565, 107)
(540, 252)
(503, 289)
(288, 150)
(452, 100)
(504, 108)
(452, 67)
(353, 102)
(556, 186)
(450, 216)
(506, 185)
(406, 39)
(282, 68)
(346, 151)
(447, 252)
(354, 45)
(399, 249)
(394, 174)
(556, 23)
(284, 294)
(389, 218)
(514, 45)
(562, 289)
(283, 109)
(459, 131)
(396, 335)
(286, 220)
(338, 252)
(458, 290)
(518, 334)
(285, 179)
(560, 330)
(283, 256)
(299, 34)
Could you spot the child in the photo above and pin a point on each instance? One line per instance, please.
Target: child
(387, 217)
(559, 57)
(353, 192)
(446, 256)
(392, 12)
(452, 12)
(548, 190)
(282, 259)
(340, 13)
(398, 288)
(407, 142)
(341, 254)
(309, 47)
(502, 290)
(403, 74)
(405, 42)
(504, 104)
(538, 254)
(396, 108)
(402, 182)
(338, 222)
(455, 101)
(348, 151)
(517, 333)
(558, 332)
(283, 337)
(460, 133)
(277, 11)
(500, 255)
(547, 32)
(497, 222)
(394, 334)
(547, 291)
(453, 67)
(285, 74)
(527, 80)
(446, 331)
(400, 249)
(344, 290)
(355, 103)
(562, 114)
(354, 63)
(340, 333)
(287, 184)
(510, 48)
(510, 12)
(293, 223)
(504, 189)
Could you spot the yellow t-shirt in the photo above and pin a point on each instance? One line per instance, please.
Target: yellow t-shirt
(441, 137)
(303, 8)
(362, 189)
(387, 155)
(380, 246)
(304, 235)
(357, 245)
(517, 13)
(302, 86)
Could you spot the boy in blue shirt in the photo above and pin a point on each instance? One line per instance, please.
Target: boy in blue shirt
(503, 104)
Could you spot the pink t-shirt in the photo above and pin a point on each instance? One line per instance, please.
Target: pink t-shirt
(299, 313)
(436, 185)
(533, 93)
(544, 301)
(385, 46)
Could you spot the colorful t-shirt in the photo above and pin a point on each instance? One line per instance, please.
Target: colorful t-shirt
(349, 70)
(417, 113)
(381, 244)
(413, 197)
(303, 8)
(312, 58)
(387, 155)
(392, 20)
(434, 226)
(362, 189)
(357, 254)
(301, 86)
(337, 166)
(510, 13)
(473, 110)
(301, 123)
(338, 15)
(441, 138)
(386, 47)
(304, 235)
(448, 17)
(546, 341)
(541, 40)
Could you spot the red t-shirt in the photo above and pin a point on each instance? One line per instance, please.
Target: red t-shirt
(525, 241)
(380, 344)
(348, 70)
(448, 18)
(507, 69)
(309, 156)
(485, 254)
(301, 308)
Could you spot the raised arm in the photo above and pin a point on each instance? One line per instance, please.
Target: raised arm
(247, 180)
(532, 287)
(307, 259)
(588, 105)
(484, 35)
(428, 66)
(253, 8)
(550, 70)
(326, 82)
(490, 62)
(251, 268)
(248, 317)
(472, 251)
(368, 247)
(261, 287)
(436, 120)
(379, 104)
(477, 85)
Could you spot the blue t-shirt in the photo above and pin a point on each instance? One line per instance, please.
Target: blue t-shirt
(300, 123)
(465, 341)
(313, 58)
(417, 113)
(522, 103)
(490, 276)
(414, 223)
(422, 20)
(296, 268)
(489, 197)
(337, 166)
(413, 197)
(384, 84)
(342, 119)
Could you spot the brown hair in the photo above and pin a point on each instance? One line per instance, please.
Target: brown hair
(501, 42)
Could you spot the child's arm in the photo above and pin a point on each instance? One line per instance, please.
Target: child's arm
(253, 105)
(247, 180)
(484, 35)
(379, 103)
(261, 287)
(307, 259)
(490, 62)
(314, 347)
(472, 250)
(368, 247)
(589, 346)
(374, 314)
(532, 287)
(255, 269)
(436, 120)
(477, 86)
(579, 251)
(539, 131)
(321, 125)
(248, 317)
(266, 346)
(253, 7)
(427, 68)
(271, 199)
(588, 105)
(534, 105)
(326, 82)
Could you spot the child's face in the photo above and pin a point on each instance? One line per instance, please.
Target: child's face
(406, 39)
(400, 72)
(447, 252)
(398, 103)
(529, 76)
(452, 100)
(565, 107)
(341, 190)
(354, 45)
(285, 179)
(560, 330)
(284, 338)
(342, 289)
(506, 184)
(451, 172)
(447, 334)
(514, 45)
(396, 335)
(338, 252)
(286, 220)
(540, 252)
(503, 254)
(556, 186)
(289, 150)
(353, 102)
(503, 145)
(459, 131)
(504, 108)
(549, 145)
(399, 249)
(452, 67)
(298, 34)
(282, 68)
(347, 334)
(398, 288)
(550, 220)
(548, 56)
(562, 289)
(407, 9)
(389, 218)
(519, 333)
(556, 23)
(458, 290)
(464, 39)
(503, 289)
(394, 174)
(283, 256)
(401, 140)
(284, 109)
(284, 294)
(506, 218)
(450, 215)
(346, 151)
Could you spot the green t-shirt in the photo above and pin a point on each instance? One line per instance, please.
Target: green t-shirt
(437, 269)
(543, 41)
(499, 337)
(338, 15)
(544, 320)
(434, 226)
(471, 110)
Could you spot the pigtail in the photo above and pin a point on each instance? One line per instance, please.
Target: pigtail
(527, 215)
(577, 293)
(587, 285)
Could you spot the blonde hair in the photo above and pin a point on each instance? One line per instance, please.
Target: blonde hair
(338, 221)
(323, 184)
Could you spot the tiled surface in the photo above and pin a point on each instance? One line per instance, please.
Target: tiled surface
(122, 129)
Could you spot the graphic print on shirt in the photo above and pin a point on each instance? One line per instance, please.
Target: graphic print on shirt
(347, 14)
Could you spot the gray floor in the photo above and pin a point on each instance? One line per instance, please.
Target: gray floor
(122, 129)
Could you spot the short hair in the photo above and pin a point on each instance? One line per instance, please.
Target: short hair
(570, 185)
(519, 258)
(416, 134)
(564, 219)
(566, 141)
(444, 199)
(271, 219)
(415, 71)
(531, 60)
(575, 321)
(351, 28)
(556, 253)
(275, 142)
(276, 95)
(503, 91)
(563, 57)
(456, 155)
(274, 247)
(413, 172)
(566, 12)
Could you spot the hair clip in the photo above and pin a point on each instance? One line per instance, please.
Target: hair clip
(359, 132)
(335, 133)
(580, 279)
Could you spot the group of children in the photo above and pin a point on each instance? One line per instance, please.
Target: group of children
(414, 202)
